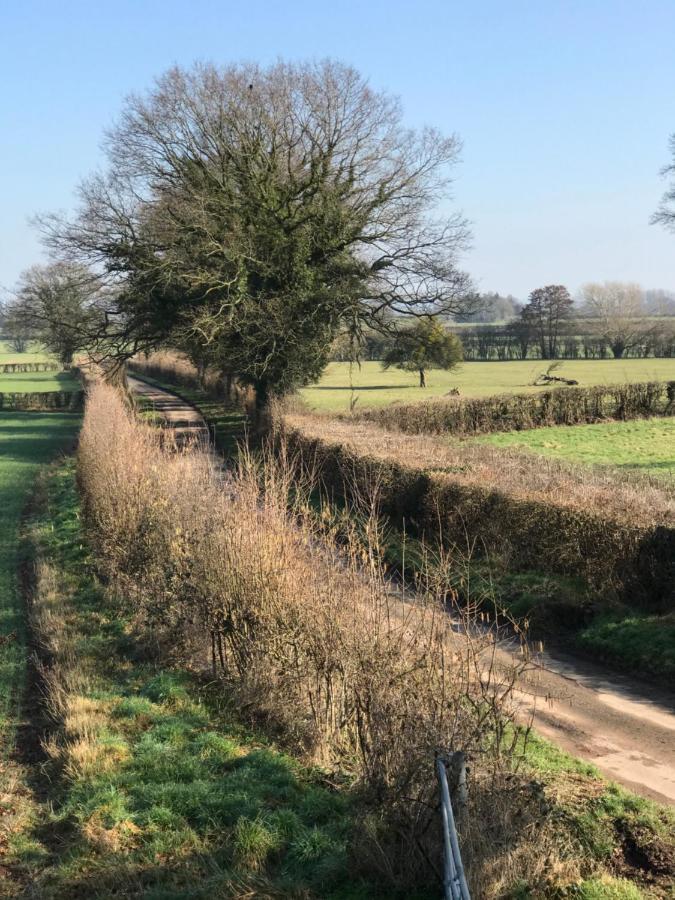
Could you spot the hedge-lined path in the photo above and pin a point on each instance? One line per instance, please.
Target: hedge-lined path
(186, 422)
(624, 728)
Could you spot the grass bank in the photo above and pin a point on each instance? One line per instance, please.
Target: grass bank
(155, 787)
(552, 543)
(371, 386)
(27, 441)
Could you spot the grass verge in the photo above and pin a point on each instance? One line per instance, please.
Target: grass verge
(27, 441)
(37, 382)
(158, 791)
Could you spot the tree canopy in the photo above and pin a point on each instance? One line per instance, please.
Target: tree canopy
(547, 311)
(56, 305)
(258, 211)
(425, 345)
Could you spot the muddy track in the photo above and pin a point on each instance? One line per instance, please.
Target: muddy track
(623, 726)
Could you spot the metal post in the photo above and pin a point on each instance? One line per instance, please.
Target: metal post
(455, 885)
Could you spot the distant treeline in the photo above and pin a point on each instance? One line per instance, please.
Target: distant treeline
(582, 341)
(513, 340)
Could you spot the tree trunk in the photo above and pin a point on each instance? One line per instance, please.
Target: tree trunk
(229, 386)
(423, 380)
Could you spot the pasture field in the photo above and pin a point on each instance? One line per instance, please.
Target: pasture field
(642, 445)
(375, 387)
(27, 441)
(37, 382)
(33, 354)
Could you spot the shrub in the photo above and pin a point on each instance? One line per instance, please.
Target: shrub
(515, 412)
(41, 400)
(309, 638)
(536, 514)
(12, 368)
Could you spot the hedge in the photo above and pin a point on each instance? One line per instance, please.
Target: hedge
(12, 368)
(617, 559)
(515, 412)
(42, 400)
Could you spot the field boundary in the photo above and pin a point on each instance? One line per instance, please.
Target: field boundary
(619, 559)
(517, 412)
(24, 401)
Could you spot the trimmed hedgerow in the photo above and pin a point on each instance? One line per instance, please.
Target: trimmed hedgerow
(515, 412)
(41, 400)
(12, 368)
(621, 558)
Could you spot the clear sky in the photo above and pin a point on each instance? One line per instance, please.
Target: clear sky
(564, 107)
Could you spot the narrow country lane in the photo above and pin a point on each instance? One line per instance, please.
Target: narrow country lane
(624, 727)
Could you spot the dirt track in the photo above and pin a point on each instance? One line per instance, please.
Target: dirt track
(186, 422)
(624, 727)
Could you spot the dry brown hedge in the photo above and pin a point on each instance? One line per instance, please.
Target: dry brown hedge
(311, 639)
(622, 545)
(516, 412)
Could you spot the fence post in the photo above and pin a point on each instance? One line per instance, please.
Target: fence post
(454, 882)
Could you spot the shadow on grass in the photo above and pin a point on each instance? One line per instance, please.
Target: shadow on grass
(366, 387)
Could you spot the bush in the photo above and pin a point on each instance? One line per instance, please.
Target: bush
(515, 412)
(12, 368)
(309, 638)
(498, 503)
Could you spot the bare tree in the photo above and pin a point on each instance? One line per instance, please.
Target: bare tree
(57, 306)
(547, 311)
(665, 214)
(618, 309)
(262, 209)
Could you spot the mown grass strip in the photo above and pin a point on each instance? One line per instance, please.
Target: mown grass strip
(646, 445)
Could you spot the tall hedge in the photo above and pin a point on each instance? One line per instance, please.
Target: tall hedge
(516, 412)
(617, 558)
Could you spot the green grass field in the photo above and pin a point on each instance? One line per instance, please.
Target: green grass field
(644, 445)
(27, 441)
(33, 354)
(375, 387)
(30, 382)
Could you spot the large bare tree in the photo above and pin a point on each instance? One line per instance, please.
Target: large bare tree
(546, 314)
(260, 210)
(618, 309)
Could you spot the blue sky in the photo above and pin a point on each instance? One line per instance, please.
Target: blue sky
(564, 109)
